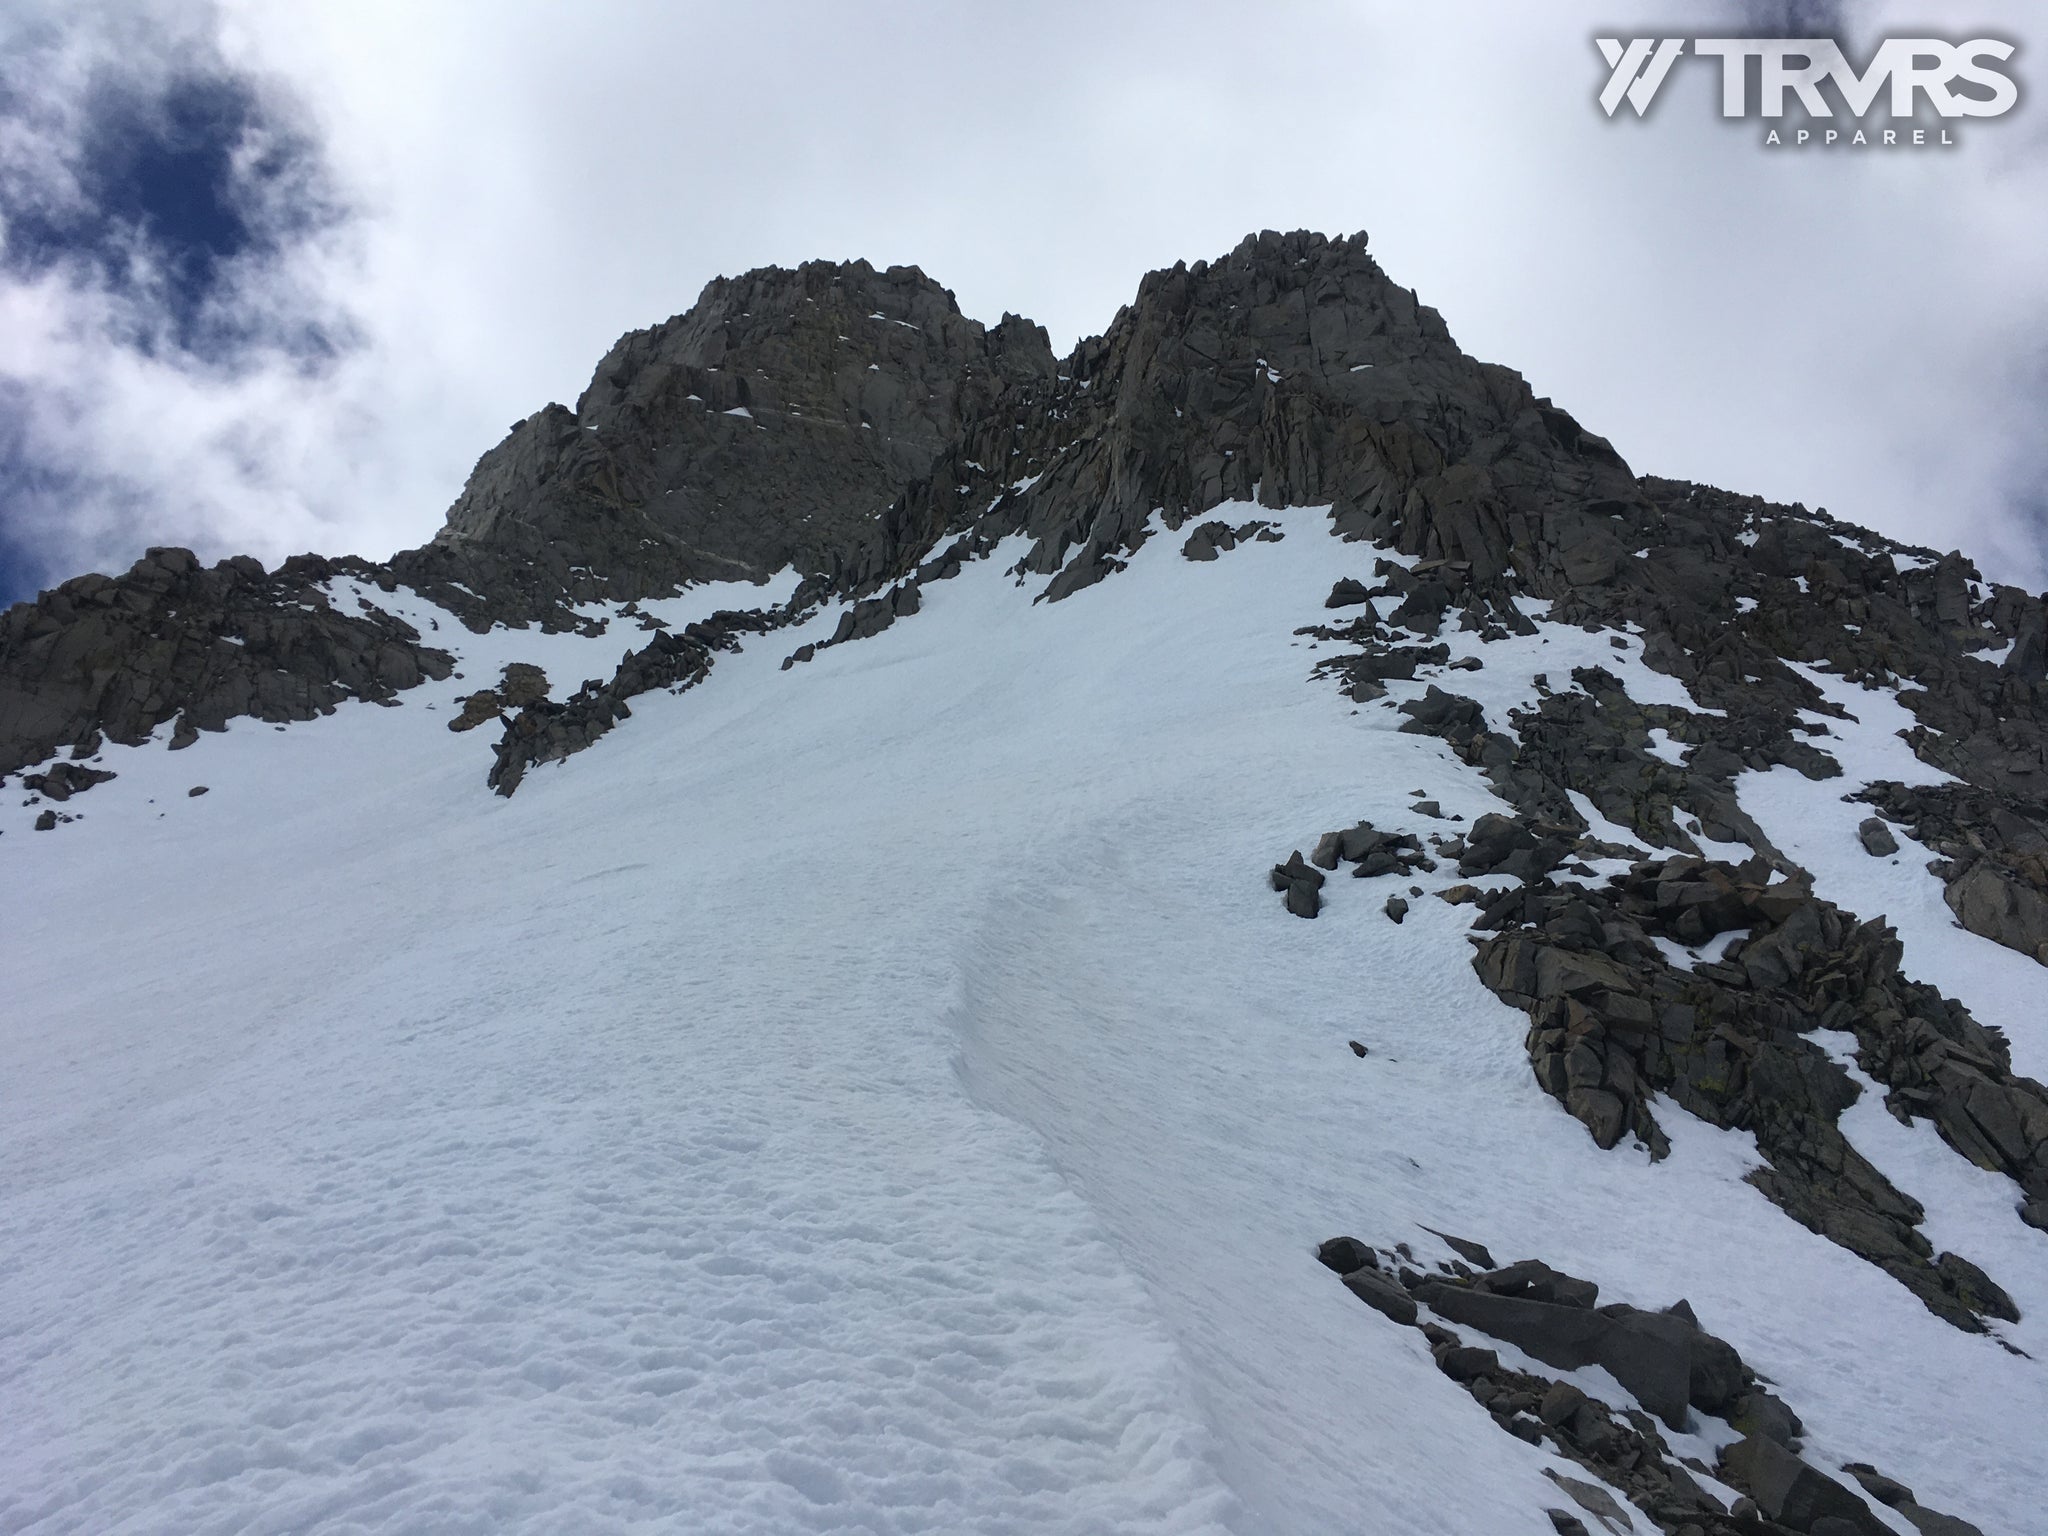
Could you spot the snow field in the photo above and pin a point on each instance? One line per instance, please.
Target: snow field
(881, 1096)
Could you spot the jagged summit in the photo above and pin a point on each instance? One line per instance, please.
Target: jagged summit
(835, 419)
(770, 425)
(1293, 371)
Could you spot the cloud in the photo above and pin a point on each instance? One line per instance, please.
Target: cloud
(161, 181)
(166, 292)
(435, 219)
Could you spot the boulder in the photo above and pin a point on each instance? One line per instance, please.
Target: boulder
(1930, 1522)
(1346, 1254)
(1300, 884)
(1383, 1295)
(1651, 1354)
(1790, 1491)
(1888, 1491)
(1465, 1362)
(1663, 1358)
(60, 781)
(1560, 1403)
(1595, 1501)
(1207, 540)
(1990, 902)
(1757, 1412)
(1537, 1281)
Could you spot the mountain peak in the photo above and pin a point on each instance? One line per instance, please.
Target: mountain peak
(993, 861)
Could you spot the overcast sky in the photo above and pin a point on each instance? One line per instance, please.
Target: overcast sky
(272, 277)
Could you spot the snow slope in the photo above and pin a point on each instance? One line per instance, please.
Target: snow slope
(878, 1096)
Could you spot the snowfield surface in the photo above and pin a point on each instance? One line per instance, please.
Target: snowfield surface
(880, 1096)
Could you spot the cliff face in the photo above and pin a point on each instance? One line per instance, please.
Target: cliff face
(769, 426)
(1294, 372)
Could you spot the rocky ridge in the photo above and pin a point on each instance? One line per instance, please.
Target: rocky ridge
(849, 423)
(767, 427)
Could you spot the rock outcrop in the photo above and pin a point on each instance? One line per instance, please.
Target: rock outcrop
(169, 640)
(770, 426)
(1993, 855)
(1674, 1373)
(1613, 1021)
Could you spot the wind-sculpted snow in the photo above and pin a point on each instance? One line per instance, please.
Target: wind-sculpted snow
(878, 1095)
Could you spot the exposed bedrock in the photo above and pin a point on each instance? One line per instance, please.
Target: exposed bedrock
(1612, 1020)
(1675, 1372)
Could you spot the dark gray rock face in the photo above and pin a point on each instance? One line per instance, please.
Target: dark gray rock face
(1291, 372)
(771, 425)
(847, 421)
(170, 640)
(853, 424)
